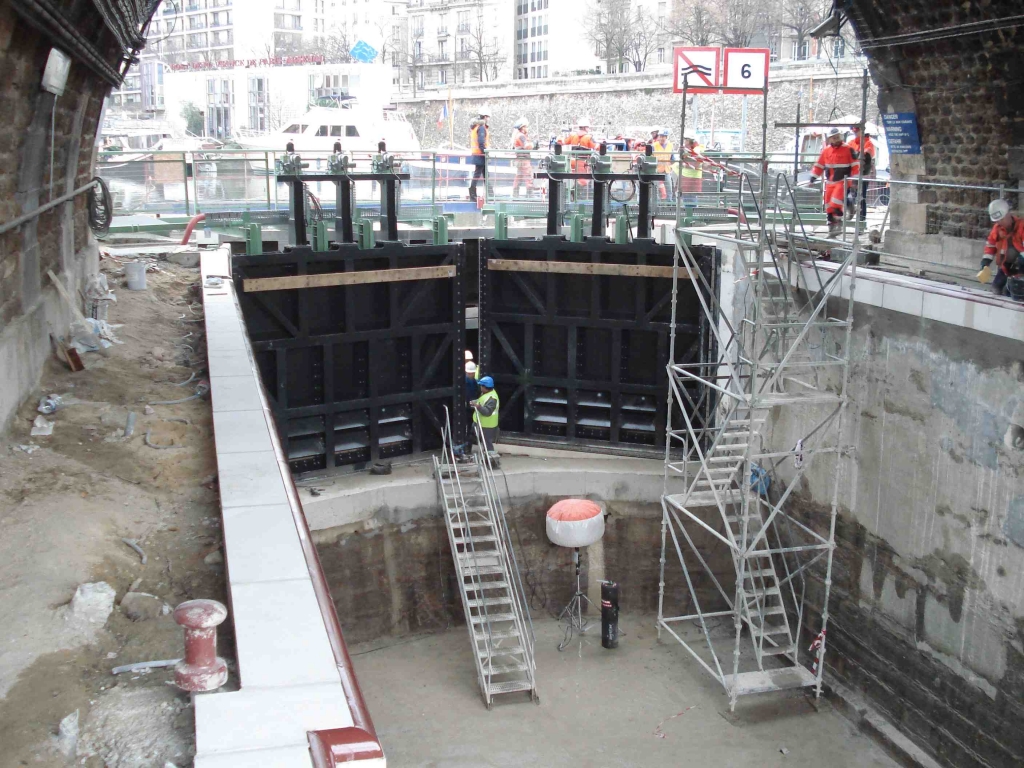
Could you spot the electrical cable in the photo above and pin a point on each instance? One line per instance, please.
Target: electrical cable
(53, 125)
(528, 575)
(944, 33)
(174, 23)
(99, 208)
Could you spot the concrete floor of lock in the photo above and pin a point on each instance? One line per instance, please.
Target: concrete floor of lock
(598, 709)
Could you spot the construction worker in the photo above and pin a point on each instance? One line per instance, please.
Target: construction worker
(692, 175)
(579, 140)
(472, 393)
(867, 169)
(479, 143)
(837, 164)
(522, 145)
(485, 413)
(663, 151)
(1005, 246)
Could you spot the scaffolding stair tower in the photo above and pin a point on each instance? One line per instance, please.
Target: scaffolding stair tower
(782, 363)
(493, 599)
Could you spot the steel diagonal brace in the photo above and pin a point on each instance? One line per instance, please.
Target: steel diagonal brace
(697, 554)
(700, 455)
(682, 248)
(696, 603)
(777, 509)
(828, 289)
(803, 567)
(704, 525)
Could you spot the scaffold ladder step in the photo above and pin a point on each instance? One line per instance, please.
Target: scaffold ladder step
(509, 687)
(780, 650)
(488, 601)
(766, 680)
(475, 539)
(505, 669)
(496, 634)
(480, 586)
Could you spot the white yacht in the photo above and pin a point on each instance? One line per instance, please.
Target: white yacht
(358, 128)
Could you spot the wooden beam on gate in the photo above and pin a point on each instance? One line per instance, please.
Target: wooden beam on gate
(327, 279)
(583, 268)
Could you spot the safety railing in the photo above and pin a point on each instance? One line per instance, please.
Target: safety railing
(449, 467)
(505, 543)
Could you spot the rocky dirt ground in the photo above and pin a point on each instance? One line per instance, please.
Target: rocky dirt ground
(65, 507)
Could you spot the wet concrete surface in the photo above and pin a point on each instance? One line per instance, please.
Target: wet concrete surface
(646, 703)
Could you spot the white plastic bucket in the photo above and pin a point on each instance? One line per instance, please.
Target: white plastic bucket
(136, 274)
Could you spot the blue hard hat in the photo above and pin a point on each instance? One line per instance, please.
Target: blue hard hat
(487, 381)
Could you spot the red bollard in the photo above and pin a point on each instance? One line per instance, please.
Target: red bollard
(201, 669)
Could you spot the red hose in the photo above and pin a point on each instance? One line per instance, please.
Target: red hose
(192, 225)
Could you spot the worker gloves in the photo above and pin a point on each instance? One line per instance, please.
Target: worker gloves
(985, 275)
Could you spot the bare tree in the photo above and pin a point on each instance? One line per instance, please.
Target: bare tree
(799, 17)
(334, 47)
(739, 21)
(605, 24)
(643, 37)
(391, 35)
(693, 23)
(484, 50)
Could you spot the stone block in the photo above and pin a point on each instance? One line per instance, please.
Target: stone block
(909, 217)
(908, 243)
(184, 258)
(139, 606)
(906, 165)
(92, 603)
(962, 251)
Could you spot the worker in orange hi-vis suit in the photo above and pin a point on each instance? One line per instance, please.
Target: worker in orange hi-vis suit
(522, 144)
(867, 168)
(581, 138)
(837, 164)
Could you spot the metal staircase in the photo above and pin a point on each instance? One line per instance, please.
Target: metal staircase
(777, 355)
(493, 598)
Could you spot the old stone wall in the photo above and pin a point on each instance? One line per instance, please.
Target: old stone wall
(964, 89)
(398, 578)
(927, 603)
(615, 106)
(59, 239)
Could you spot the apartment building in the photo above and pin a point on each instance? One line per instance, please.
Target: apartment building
(209, 32)
(459, 41)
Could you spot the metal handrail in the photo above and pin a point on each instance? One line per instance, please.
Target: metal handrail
(15, 223)
(505, 541)
(448, 451)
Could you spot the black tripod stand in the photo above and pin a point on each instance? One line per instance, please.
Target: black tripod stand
(572, 614)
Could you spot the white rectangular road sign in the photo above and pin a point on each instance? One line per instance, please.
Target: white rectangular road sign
(698, 68)
(746, 70)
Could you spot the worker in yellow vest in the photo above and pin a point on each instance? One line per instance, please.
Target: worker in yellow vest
(693, 170)
(485, 413)
(663, 151)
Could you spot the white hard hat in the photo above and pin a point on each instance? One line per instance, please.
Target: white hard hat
(834, 132)
(583, 122)
(470, 367)
(522, 122)
(998, 209)
(469, 354)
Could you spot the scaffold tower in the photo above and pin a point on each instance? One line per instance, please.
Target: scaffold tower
(783, 356)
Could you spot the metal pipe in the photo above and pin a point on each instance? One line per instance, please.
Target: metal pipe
(15, 223)
(192, 225)
(1000, 189)
(391, 201)
(299, 204)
